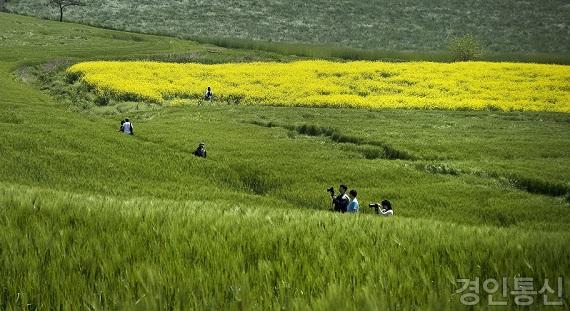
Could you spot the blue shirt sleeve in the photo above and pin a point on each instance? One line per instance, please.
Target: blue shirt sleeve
(352, 207)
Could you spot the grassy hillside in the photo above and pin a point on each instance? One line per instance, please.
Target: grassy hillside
(505, 26)
(97, 219)
(99, 252)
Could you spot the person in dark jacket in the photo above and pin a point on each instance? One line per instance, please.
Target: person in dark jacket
(340, 202)
(200, 151)
(208, 95)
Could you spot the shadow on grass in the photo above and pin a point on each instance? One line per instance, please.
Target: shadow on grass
(368, 148)
(528, 184)
(380, 150)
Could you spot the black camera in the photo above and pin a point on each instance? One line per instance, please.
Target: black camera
(384, 205)
(331, 191)
(375, 206)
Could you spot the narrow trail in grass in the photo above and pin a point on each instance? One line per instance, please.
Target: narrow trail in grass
(386, 150)
(530, 185)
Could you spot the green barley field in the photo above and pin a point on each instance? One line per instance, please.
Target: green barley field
(94, 219)
(386, 29)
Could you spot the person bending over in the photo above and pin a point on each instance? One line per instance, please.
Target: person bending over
(353, 205)
(200, 151)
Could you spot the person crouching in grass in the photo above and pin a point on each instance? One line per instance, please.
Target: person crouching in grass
(208, 95)
(200, 151)
(383, 209)
(127, 127)
(353, 205)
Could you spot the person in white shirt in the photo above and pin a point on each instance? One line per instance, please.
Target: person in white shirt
(385, 208)
(128, 127)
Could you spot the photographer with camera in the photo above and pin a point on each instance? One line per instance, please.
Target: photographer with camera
(340, 202)
(382, 209)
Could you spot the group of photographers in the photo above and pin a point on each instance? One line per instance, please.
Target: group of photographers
(347, 203)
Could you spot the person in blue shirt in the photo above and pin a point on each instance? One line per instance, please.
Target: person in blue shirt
(353, 205)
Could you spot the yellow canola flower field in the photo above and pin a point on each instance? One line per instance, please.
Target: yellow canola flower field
(364, 84)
